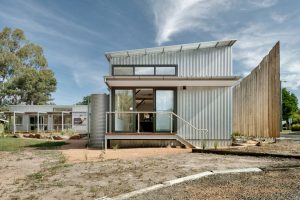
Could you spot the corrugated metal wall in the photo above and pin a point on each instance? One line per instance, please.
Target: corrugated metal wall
(98, 108)
(192, 63)
(205, 107)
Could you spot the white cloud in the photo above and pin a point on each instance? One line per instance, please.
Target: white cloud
(279, 18)
(255, 40)
(256, 34)
(264, 3)
(85, 72)
(174, 16)
(48, 25)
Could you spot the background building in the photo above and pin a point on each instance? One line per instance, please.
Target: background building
(48, 118)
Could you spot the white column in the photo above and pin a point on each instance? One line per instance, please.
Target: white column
(105, 144)
(14, 125)
(106, 122)
(72, 120)
(171, 122)
(38, 122)
(43, 123)
(62, 121)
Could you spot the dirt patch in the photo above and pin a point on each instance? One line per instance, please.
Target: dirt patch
(16, 167)
(37, 174)
(287, 148)
(76, 151)
(264, 185)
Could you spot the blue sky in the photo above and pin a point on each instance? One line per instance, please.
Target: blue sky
(75, 33)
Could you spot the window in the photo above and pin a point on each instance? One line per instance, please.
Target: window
(168, 70)
(165, 103)
(19, 119)
(145, 70)
(124, 103)
(122, 71)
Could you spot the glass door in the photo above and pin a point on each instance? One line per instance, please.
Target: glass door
(123, 122)
(164, 102)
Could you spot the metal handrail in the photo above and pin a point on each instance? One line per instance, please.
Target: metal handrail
(195, 128)
(204, 131)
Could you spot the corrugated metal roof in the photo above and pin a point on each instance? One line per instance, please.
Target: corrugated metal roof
(162, 49)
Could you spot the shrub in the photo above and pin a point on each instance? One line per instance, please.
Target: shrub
(1, 129)
(234, 135)
(216, 144)
(115, 147)
(296, 127)
(203, 144)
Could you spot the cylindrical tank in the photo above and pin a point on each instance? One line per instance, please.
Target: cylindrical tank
(97, 109)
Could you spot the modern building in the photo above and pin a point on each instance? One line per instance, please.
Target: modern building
(47, 118)
(180, 93)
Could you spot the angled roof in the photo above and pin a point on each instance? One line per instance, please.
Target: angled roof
(162, 49)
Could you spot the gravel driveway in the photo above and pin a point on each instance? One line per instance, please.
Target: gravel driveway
(263, 185)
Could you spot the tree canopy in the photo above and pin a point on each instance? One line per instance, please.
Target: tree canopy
(289, 104)
(85, 101)
(24, 73)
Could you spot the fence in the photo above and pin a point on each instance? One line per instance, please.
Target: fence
(257, 99)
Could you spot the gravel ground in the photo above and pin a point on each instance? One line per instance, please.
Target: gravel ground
(45, 174)
(263, 185)
(288, 148)
(74, 172)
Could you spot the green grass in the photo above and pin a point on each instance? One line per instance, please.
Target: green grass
(14, 144)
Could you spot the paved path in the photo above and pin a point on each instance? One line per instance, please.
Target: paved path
(290, 136)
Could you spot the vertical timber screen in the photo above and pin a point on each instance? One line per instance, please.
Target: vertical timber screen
(257, 99)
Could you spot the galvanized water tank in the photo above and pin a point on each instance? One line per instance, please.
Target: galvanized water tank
(97, 109)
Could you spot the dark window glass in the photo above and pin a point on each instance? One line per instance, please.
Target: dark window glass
(144, 70)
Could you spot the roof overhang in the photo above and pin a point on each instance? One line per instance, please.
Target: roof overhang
(34, 112)
(164, 49)
(167, 81)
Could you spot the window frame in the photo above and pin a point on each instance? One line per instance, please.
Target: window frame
(154, 66)
(122, 66)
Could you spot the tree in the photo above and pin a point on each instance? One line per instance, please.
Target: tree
(296, 117)
(24, 73)
(289, 104)
(85, 100)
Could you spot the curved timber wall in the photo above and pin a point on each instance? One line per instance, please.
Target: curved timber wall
(98, 108)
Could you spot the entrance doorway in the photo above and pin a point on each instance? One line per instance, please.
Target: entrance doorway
(164, 103)
(144, 102)
(135, 109)
(33, 123)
